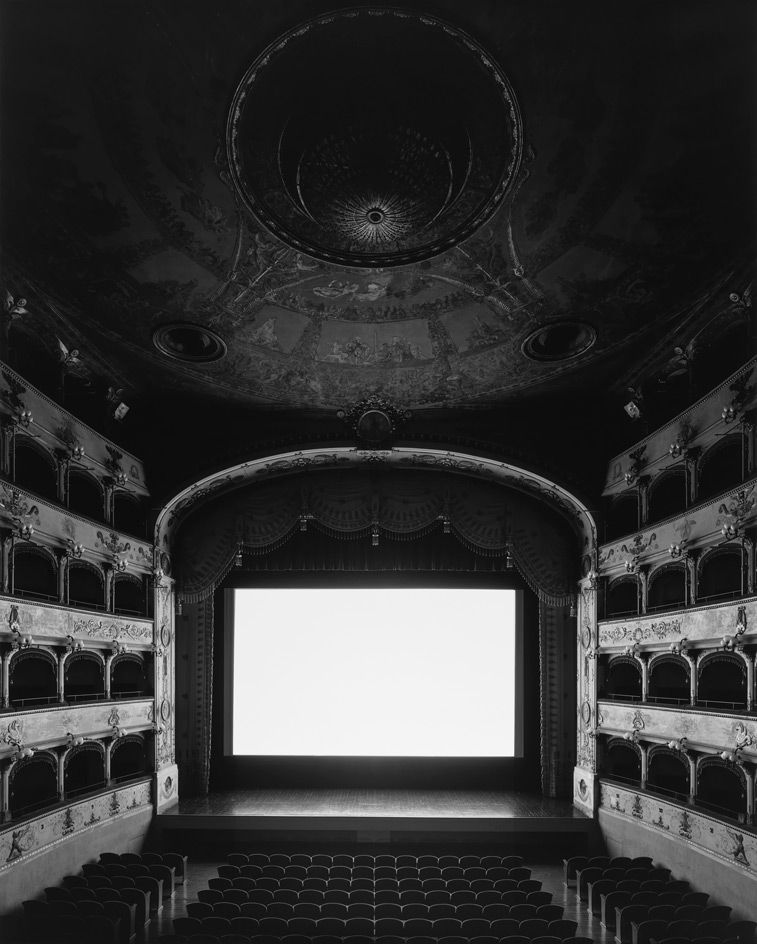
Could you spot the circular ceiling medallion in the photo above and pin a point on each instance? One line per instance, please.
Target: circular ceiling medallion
(189, 342)
(559, 341)
(373, 137)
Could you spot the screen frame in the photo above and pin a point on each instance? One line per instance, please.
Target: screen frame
(228, 596)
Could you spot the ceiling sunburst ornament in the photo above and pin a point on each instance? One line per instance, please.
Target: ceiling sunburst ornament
(366, 160)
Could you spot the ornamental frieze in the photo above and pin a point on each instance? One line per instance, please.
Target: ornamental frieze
(659, 629)
(723, 516)
(696, 624)
(40, 620)
(19, 842)
(706, 833)
(701, 426)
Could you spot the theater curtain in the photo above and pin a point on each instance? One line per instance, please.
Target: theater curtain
(489, 520)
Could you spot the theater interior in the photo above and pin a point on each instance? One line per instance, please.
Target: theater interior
(378, 498)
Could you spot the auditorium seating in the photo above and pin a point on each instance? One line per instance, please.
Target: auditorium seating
(643, 904)
(362, 899)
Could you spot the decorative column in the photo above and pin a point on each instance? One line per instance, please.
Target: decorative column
(749, 663)
(106, 675)
(644, 663)
(7, 553)
(643, 487)
(748, 544)
(106, 762)
(6, 685)
(109, 489)
(691, 560)
(62, 557)
(693, 680)
(62, 676)
(108, 568)
(585, 783)
(62, 775)
(7, 432)
(748, 448)
(64, 463)
(643, 576)
(692, 475)
(749, 781)
(692, 777)
(644, 765)
(5, 803)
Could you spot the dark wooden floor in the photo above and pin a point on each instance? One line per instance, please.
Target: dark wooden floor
(437, 804)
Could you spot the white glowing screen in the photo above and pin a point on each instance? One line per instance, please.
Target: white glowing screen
(374, 672)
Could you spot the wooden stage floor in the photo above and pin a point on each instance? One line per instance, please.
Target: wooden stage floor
(376, 815)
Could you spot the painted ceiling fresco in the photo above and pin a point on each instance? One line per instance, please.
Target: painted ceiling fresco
(633, 197)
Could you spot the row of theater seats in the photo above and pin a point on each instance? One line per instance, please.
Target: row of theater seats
(371, 861)
(531, 929)
(645, 905)
(108, 903)
(342, 898)
(233, 938)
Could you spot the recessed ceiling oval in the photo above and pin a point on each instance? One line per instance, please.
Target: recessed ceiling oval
(185, 341)
(373, 137)
(559, 341)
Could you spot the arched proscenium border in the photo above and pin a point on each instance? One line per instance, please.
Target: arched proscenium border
(400, 457)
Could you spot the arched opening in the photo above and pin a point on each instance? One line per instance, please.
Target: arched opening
(33, 678)
(623, 679)
(722, 682)
(622, 761)
(721, 575)
(34, 573)
(668, 772)
(623, 597)
(720, 787)
(35, 470)
(721, 467)
(128, 759)
(128, 513)
(623, 515)
(128, 677)
(33, 785)
(667, 588)
(667, 495)
(128, 595)
(84, 770)
(85, 586)
(84, 677)
(85, 495)
(669, 680)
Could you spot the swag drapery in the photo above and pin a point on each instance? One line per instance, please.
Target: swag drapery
(487, 519)
(369, 522)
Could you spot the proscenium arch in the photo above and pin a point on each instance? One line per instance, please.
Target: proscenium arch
(266, 469)
(398, 457)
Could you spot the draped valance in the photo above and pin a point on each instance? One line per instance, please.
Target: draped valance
(374, 505)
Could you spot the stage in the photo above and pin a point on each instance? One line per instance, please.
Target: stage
(239, 817)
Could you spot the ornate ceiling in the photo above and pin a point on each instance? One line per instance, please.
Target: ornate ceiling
(437, 208)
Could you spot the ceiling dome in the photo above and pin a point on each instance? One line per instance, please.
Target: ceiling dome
(373, 137)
